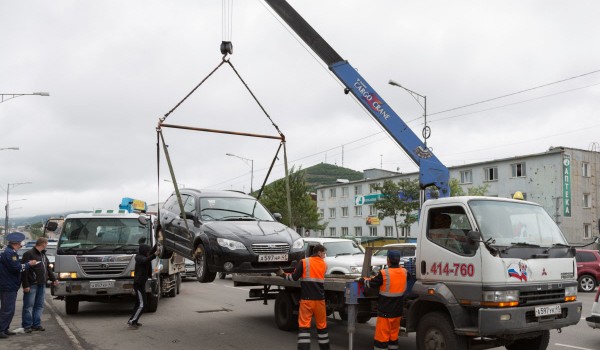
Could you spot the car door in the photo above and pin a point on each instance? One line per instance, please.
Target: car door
(185, 233)
(168, 221)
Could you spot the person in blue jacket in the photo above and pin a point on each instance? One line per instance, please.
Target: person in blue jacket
(10, 280)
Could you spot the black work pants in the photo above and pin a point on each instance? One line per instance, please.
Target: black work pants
(140, 302)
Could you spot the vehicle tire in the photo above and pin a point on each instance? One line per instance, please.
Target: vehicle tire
(363, 318)
(71, 305)
(436, 332)
(202, 273)
(538, 343)
(165, 253)
(586, 283)
(285, 318)
(152, 298)
(178, 283)
(222, 275)
(173, 292)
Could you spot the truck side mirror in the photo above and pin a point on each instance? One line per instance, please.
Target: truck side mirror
(473, 239)
(51, 226)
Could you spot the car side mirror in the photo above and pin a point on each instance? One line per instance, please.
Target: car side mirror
(51, 226)
(277, 216)
(473, 239)
(188, 216)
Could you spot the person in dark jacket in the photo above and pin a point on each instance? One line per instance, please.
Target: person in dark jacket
(311, 273)
(10, 280)
(143, 270)
(391, 284)
(34, 286)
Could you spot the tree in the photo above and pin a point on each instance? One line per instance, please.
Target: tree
(398, 200)
(456, 189)
(36, 230)
(305, 213)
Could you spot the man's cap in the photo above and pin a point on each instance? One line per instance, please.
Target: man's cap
(393, 255)
(15, 237)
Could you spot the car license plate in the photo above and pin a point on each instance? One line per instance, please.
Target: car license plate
(103, 284)
(272, 257)
(547, 310)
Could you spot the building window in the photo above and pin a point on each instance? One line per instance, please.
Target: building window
(587, 231)
(372, 210)
(344, 212)
(321, 213)
(332, 213)
(322, 195)
(466, 177)
(373, 231)
(358, 210)
(332, 192)
(405, 231)
(491, 174)
(322, 233)
(587, 200)
(344, 231)
(518, 170)
(358, 231)
(389, 231)
(344, 191)
(358, 189)
(372, 188)
(332, 231)
(585, 169)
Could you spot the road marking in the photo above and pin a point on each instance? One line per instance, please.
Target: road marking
(66, 328)
(572, 347)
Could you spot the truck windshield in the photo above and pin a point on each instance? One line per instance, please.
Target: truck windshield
(342, 248)
(508, 223)
(229, 208)
(94, 232)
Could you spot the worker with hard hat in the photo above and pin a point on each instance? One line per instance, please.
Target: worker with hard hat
(391, 283)
(518, 195)
(10, 280)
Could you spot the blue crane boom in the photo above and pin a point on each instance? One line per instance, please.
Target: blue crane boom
(431, 170)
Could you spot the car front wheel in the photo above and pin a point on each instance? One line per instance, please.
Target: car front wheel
(202, 273)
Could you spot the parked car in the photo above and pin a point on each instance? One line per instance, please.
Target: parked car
(588, 269)
(227, 231)
(594, 319)
(190, 269)
(407, 251)
(344, 256)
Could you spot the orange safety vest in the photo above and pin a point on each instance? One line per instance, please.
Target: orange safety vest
(313, 270)
(394, 282)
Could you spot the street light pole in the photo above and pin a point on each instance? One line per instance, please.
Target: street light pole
(178, 184)
(9, 148)
(11, 96)
(7, 206)
(251, 168)
(426, 129)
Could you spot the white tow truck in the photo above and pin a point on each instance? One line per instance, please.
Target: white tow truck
(95, 258)
(474, 285)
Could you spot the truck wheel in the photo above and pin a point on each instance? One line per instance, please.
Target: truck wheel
(436, 332)
(538, 343)
(285, 318)
(173, 292)
(586, 283)
(71, 305)
(202, 273)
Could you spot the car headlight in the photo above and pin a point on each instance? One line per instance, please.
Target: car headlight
(571, 293)
(501, 298)
(298, 244)
(355, 269)
(51, 265)
(228, 243)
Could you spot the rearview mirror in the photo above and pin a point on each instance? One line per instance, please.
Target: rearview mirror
(143, 220)
(51, 226)
(277, 216)
(188, 216)
(473, 239)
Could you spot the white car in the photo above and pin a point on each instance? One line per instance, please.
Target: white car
(344, 256)
(594, 319)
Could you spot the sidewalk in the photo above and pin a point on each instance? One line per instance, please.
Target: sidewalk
(54, 337)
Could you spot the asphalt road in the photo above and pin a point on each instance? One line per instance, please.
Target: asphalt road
(215, 316)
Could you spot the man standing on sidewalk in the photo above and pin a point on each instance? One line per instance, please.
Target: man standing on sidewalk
(34, 286)
(10, 280)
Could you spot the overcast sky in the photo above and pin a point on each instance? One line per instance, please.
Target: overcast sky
(112, 68)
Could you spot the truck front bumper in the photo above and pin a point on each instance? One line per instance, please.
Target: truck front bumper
(519, 320)
(106, 287)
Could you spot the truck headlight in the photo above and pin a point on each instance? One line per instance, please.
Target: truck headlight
(500, 298)
(228, 243)
(67, 275)
(355, 269)
(298, 244)
(571, 293)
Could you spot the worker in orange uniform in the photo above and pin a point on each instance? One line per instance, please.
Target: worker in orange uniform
(391, 284)
(311, 273)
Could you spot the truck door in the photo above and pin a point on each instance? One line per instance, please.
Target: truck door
(444, 252)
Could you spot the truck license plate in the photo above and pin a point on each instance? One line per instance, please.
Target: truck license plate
(103, 284)
(272, 257)
(547, 310)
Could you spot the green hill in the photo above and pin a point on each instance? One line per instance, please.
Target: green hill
(327, 174)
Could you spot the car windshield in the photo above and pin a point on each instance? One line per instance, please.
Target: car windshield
(404, 251)
(231, 208)
(93, 232)
(342, 248)
(508, 223)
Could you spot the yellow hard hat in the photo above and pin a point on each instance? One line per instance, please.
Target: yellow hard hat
(518, 195)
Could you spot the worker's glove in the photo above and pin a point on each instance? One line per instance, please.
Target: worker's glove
(361, 280)
(280, 273)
